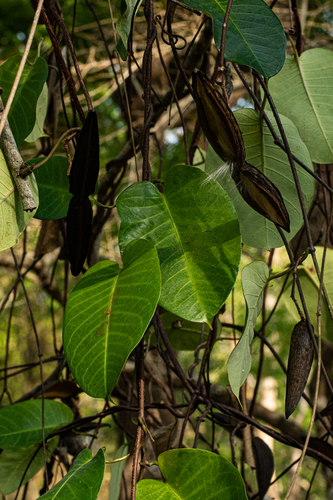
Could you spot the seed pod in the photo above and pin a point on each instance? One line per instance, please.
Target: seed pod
(264, 465)
(79, 227)
(222, 131)
(85, 166)
(299, 365)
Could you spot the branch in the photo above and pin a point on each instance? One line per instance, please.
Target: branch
(14, 162)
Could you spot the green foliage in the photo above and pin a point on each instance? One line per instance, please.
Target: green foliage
(83, 480)
(21, 423)
(254, 279)
(255, 36)
(193, 474)
(22, 115)
(97, 340)
(194, 228)
(302, 91)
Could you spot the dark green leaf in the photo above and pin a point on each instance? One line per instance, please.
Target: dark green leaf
(22, 115)
(107, 314)
(195, 231)
(193, 474)
(21, 423)
(255, 36)
(53, 188)
(83, 480)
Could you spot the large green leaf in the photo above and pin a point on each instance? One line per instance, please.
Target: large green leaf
(22, 115)
(13, 465)
(13, 219)
(83, 480)
(21, 423)
(194, 228)
(263, 154)
(193, 474)
(303, 92)
(107, 314)
(254, 279)
(310, 286)
(129, 9)
(255, 36)
(53, 186)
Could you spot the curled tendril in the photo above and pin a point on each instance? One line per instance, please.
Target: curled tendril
(172, 38)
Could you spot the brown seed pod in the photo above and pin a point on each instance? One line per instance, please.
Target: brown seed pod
(264, 465)
(222, 131)
(299, 365)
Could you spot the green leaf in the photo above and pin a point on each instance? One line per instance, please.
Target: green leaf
(13, 465)
(303, 92)
(117, 472)
(53, 186)
(263, 154)
(254, 279)
(310, 286)
(255, 36)
(22, 115)
(183, 335)
(13, 219)
(193, 474)
(21, 423)
(194, 228)
(83, 480)
(123, 25)
(41, 111)
(107, 314)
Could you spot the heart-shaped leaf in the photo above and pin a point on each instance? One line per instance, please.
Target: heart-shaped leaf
(107, 314)
(303, 92)
(192, 474)
(83, 480)
(255, 36)
(263, 154)
(194, 228)
(21, 423)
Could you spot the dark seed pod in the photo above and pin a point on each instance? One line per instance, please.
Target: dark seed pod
(299, 365)
(264, 465)
(222, 131)
(79, 227)
(85, 166)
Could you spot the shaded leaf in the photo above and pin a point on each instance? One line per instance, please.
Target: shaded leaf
(189, 474)
(195, 231)
(303, 92)
(273, 162)
(299, 365)
(107, 314)
(13, 465)
(22, 114)
(21, 423)
(255, 36)
(13, 219)
(254, 279)
(124, 24)
(53, 186)
(83, 480)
